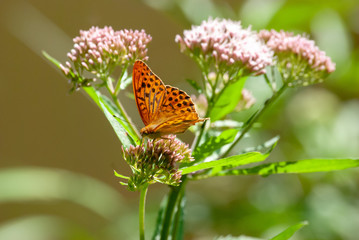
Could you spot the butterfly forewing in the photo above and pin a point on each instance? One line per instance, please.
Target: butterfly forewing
(149, 91)
(163, 109)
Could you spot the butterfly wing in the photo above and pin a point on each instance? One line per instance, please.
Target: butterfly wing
(149, 91)
(177, 112)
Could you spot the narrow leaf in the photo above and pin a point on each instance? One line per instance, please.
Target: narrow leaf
(126, 80)
(159, 220)
(302, 166)
(233, 161)
(228, 100)
(51, 59)
(289, 232)
(214, 143)
(120, 175)
(120, 131)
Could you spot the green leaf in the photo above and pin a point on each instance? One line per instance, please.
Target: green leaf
(228, 100)
(213, 143)
(120, 131)
(302, 166)
(178, 221)
(120, 175)
(120, 126)
(195, 85)
(119, 117)
(266, 147)
(160, 218)
(289, 232)
(51, 59)
(242, 237)
(126, 80)
(233, 161)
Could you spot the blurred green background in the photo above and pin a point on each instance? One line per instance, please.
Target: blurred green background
(57, 150)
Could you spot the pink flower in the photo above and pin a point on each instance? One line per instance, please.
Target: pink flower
(157, 160)
(100, 50)
(227, 44)
(298, 58)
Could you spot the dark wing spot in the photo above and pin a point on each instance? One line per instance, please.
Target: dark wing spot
(156, 83)
(174, 94)
(148, 85)
(181, 92)
(170, 99)
(187, 97)
(185, 103)
(142, 73)
(182, 111)
(151, 73)
(145, 79)
(191, 104)
(188, 109)
(139, 89)
(143, 84)
(176, 100)
(153, 90)
(161, 89)
(179, 105)
(147, 94)
(181, 97)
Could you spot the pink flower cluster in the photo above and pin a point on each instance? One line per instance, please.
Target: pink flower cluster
(157, 160)
(99, 50)
(228, 44)
(306, 54)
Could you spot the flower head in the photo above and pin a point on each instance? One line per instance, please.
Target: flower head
(156, 160)
(226, 44)
(299, 60)
(100, 50)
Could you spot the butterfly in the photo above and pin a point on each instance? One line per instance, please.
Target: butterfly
(163, 109)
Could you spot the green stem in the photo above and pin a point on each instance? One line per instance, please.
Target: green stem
(142, 211)
(170, 207)
(130, 124)
(119, 80)
(252, 120)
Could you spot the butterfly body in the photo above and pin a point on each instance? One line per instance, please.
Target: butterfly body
(163, 109)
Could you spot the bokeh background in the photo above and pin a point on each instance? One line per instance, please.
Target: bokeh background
(57, 150)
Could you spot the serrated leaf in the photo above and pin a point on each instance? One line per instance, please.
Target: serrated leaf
(214, 143)
(233, 161)
(302, 166)
(195, 85)
(289, 232)
(228, 100)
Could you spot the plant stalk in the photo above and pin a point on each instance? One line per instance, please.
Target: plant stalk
(142, 211)
(257, 115)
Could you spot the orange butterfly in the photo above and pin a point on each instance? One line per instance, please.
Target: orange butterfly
(164, 109)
